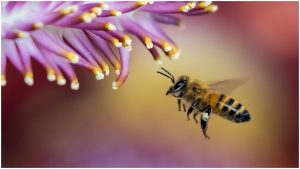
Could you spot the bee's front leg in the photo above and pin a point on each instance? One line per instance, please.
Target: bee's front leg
(184, 108)
(179, 104)
(193, 106)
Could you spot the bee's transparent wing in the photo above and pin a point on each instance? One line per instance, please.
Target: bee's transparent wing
(227, 86)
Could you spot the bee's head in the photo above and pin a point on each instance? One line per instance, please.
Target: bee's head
(177, 87)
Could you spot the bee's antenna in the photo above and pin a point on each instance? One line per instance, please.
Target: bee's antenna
(168, 73)
(172, 79)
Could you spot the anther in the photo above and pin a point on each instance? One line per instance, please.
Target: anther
(72, 57)
(86, 17)
(166, 47)
(29, 79)
(98, 73)
(3, 80)
(38, 25)
(116, 42)
(211, 8)
(61, 80)
(103, 6)
(116, 12)
(75, 84)
(115, 85)
(110, 27)
(184, 8)
(148, 43)
(51, 75)
(96, 10)
(204, 4)
(21, 34)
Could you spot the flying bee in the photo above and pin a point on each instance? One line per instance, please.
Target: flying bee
(206, 99)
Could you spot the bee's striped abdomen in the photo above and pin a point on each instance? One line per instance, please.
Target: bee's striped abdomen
(232, 110)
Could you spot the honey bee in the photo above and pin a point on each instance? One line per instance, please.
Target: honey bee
(206, 99)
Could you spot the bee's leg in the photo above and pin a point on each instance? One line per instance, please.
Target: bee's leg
(204, 120)
(179, 104)
(193, 106)
(179, 99)
(196, 112)
(184, 109)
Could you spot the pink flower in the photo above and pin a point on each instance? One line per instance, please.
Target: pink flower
(60, 34)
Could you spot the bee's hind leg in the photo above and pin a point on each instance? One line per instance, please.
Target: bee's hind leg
(184, 108)
(204, 120)
(196, 112)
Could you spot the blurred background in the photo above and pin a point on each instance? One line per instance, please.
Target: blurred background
(138, 126)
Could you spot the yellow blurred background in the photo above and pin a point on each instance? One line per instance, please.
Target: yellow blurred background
(139, 126)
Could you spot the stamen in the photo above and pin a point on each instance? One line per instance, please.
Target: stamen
(115, 12)
(38, 25)
(204, 4)
(141, 3)
(166, 47)
(110, 27)
(96, 10)
(184, 8)
(3, 80)
(72, 57)
(118, 72)
(68, 10)
(191, 5)
(103, 6)
(211, 8)
(29, 79)
(98, 73)
(148, 42)
(21, 34)
(116, 42)
(86, 17)
(51, 75)
(115, 85)
(61, 80)
(127, 39)
(75, 84)
(106, 70)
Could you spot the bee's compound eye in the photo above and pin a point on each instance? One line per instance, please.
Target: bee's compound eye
(179, 85)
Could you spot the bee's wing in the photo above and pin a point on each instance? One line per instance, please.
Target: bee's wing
(227, 86)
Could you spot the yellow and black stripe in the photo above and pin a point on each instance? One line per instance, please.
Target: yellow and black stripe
(232, 110)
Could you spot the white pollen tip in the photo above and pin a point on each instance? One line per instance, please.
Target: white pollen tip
(106, 72)
(74, 8)
(149, 45)
(168, 48)
(114, 85)
(128, 41)
(129, 48)
(99, 76)
(118, 44)
(61, 82)
(29, 81)
(159, 62)
(75, 85)
(118, 72)
(193, 4)
(110, 27)
(205, 4)
(51, 77)
(3, 82)
(104, 6)
(75, 59)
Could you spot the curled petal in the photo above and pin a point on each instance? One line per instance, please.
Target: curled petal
(124, 55)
